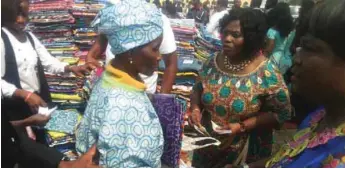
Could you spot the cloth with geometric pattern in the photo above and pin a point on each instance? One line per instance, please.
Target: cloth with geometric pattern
(168, 109)
(64, 121)
(309, 148)
(228, 98)
(122, 122)
(129, 24)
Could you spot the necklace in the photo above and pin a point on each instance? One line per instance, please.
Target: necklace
(237, 67)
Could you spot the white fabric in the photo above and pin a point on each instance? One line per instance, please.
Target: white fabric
(168, 46)
(26, 59)
(212, 26)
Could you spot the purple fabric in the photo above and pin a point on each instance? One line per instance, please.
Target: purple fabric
(171, 118)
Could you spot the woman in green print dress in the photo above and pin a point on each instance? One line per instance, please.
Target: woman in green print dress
(239, 90)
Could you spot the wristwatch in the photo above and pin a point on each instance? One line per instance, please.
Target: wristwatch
(242, 127)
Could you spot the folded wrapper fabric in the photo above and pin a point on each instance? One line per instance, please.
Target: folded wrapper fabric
(169, 111)
(64, 121)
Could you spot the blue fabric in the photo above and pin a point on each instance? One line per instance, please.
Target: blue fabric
(314, 157)
(184, 64)
(125, 127)
(64, 121)
(129, 24)
(281, 54)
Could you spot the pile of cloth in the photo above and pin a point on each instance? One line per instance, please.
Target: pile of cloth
(84, 13)
(52, 22)
(185, 33)
(188, 65)
(206, 46)
(61, 132)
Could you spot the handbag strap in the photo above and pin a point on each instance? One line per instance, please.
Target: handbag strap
(44, 92)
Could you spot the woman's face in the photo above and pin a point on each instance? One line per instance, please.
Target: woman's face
(232, 39)
(146, 58)
(22, 18)
(318, 74)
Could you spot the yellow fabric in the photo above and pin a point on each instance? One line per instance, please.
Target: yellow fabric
(74, 97)
(122, 77)
(56, 135)
(181, 73)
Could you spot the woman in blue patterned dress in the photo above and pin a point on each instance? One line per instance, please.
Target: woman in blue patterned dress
(119, 117)
(239, 90)
(280, 36)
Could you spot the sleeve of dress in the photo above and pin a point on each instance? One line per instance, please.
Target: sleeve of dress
(271, 34)
(278, 102)
(87, 132)
(201, 74)
(50, 63)
(7, 89)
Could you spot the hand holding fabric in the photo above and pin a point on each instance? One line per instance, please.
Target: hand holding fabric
(39, 119)
(195, 117)
(34, 102)
(80, 70)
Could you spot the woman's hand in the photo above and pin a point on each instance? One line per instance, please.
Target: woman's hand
(195, 117)
(85, 161)
(91, 62)
(33, 100)
(235, 128)
(39, 119)
(79, 70)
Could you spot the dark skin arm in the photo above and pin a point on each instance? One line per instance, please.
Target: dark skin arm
(96, 50)
(195, 108)
(37, 119)
(170, 72)
(85, 161)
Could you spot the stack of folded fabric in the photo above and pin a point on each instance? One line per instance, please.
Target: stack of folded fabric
(52, 23)
(60, 132)
(205, 45)
(67, 91)
(188, 65)
(84, 12)
(185, 33)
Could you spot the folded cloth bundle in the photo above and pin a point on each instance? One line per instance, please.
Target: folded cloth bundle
(64, 121)
(169, 111)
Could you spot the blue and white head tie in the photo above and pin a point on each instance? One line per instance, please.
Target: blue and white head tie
(129, 24)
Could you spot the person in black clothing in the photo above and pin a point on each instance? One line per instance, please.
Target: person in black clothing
(17, 147)
(198, 13)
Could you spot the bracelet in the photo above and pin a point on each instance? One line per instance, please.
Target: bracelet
(28, 96)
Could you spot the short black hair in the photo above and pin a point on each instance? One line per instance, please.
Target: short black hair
(327, 22)
(9, 11)
(280, 17)
(253, 25)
